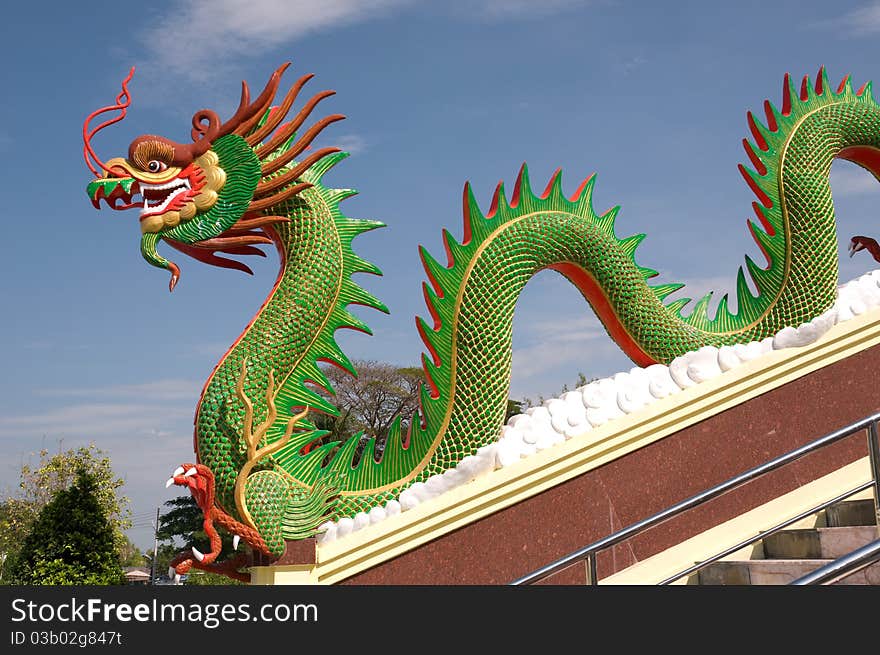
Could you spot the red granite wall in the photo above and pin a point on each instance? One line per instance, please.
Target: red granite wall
(519, 539)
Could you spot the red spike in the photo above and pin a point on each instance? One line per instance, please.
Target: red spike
(756, 161)
(771, 117)
(805, 85)
(759, 212)
(434, 283)
(420, 326)
(786, 95)
(862, 89)
(431, 308)
(466, 213)
(842, 84)
(447, 244)
(580, 189)
(758, 191)
(550, 184)
(759, 138)
(819, 85)
(496, 196)
(435, 392)
(335, 364)
(514, 201)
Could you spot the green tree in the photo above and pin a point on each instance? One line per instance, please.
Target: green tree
(71, 542)
(53, 473)
(370, 402)
(129, 554)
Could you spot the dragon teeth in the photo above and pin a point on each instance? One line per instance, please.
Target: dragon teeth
(171, 187)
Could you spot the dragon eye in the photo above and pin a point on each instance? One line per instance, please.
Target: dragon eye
(156, 166)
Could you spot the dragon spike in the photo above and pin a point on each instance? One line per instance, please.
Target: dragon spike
(677, 305)
(663, 290)
(756, 272)
(585, 190)
(498, 198)
(434, 390)
(786, 95)
(433, 269)
(759, 237)
(865, 89)
(759, 212)
(821, 81)
(554, 184)
(805, 88)
(423, 328)
(629, 244)
(770, 113)
(431, 303)
(701, 309)
(844, 84)
(753, 157)
(755, 187)
(522, 188)
(606, 220)
(470, 212)
(757, 131)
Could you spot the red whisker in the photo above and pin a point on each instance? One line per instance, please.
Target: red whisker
(123, 100)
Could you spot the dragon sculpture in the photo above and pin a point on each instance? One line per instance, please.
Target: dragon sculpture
(262, 471)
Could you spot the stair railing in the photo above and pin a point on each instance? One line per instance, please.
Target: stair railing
(842, 567)
(589, 553)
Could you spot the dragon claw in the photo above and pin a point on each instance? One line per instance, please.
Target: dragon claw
(859, 243)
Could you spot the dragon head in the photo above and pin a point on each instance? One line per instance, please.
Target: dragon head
(209, 195)
(199, 480)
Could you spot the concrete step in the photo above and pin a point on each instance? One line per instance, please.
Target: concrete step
(851, 512)
(818, 543)
(776, 572)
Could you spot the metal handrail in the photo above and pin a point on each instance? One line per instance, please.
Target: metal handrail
(590, 551)
(843, 566)
(766, 533)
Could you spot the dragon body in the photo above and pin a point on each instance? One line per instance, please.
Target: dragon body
(262, 471)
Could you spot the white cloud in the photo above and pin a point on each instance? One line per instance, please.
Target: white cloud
(351, 143)
(852, 181)
(524, 8)
(200, 35)
(862, 21)
(158, 390)
(94, 420)
(549, 353)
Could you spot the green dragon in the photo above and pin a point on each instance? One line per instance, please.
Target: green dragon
(263, 472)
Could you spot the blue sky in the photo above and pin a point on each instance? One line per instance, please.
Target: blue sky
(651, 96)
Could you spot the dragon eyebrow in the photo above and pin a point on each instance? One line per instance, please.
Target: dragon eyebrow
(152, 149)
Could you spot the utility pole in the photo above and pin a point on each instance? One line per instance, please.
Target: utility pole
(155, 550)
